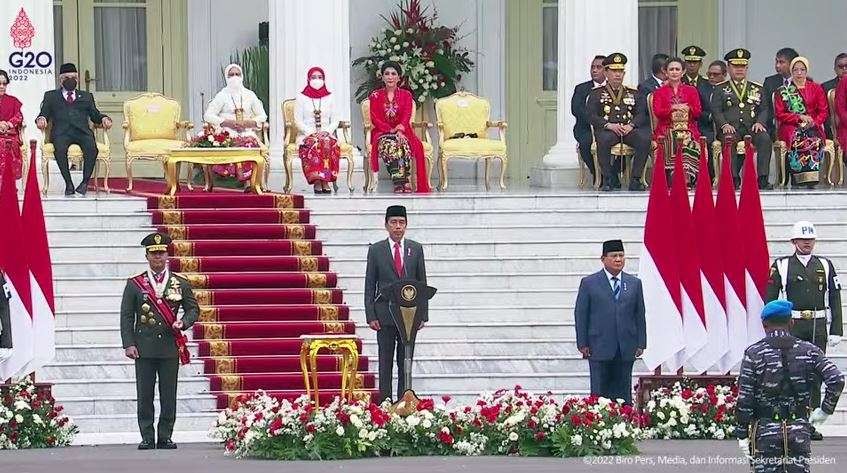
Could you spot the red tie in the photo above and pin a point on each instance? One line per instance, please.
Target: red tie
(70, 98)
(398, 260)
(159, 277)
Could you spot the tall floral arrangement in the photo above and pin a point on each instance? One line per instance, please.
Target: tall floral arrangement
(432, 60)
(507, 422)
(30, 418)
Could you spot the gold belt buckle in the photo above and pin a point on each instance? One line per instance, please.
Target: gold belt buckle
(807, 314)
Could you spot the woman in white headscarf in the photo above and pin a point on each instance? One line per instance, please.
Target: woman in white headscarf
(239, 111)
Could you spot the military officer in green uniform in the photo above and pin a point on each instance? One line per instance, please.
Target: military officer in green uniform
(619, 115)
(693, 57)
(811, 284)
(152, 335)
(739, 108)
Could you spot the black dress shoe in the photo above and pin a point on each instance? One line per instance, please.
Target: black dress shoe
(764, 185)
(146, 445)
(736, 182)
(816, 435)
(81, 189)
(636, 185)
(606, 188)
(165, 445)
(69, 190)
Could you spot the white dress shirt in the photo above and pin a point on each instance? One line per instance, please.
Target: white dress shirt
(609, 276)
(804, 259)
(402, 250)
(304, 115)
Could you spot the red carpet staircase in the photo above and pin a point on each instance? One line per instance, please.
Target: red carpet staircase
(261, 282)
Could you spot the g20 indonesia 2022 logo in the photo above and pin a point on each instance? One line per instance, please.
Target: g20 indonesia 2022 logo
(22, 61)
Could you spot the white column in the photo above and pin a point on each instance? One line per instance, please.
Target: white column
(586, 28)
(305, 34)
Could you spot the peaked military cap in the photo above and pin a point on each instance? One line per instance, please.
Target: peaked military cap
(156, 242)
(738, 57)
(693, 54)
(615, 61)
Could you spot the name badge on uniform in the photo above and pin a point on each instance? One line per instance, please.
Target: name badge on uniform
(799, 278)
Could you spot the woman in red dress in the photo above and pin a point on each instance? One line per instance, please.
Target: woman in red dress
(393, 140)
(11, 119)
(801, 110)
(677, 108)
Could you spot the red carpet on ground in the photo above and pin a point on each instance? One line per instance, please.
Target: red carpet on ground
(261, 281)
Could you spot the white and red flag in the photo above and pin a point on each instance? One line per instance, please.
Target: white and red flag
(755, 244)
(659, 274)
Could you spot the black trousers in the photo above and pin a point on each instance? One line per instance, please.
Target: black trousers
(146, 372)
(612, 378)
(86, 142)
(764, 148)
(387, 338)
(585, 152)
(637, 139)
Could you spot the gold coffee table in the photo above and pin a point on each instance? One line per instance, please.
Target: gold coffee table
(343, 344)
(213, 156)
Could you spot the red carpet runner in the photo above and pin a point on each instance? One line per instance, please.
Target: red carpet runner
(261, 282)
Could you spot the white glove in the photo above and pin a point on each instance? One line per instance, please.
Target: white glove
(5, 353)
(744, 446)
(834, 340)
(818, 417)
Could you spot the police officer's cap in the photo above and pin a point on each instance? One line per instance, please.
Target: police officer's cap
(156, 242)
(693, 54)
(738, 57)
(777, 309)
(615, 61)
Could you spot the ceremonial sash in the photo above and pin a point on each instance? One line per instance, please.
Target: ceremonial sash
(167, 313)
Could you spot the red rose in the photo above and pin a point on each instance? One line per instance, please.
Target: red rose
(275, 425)
(304, 417)
(491, 413)
(576, 421)
(540, 436)
(687, 393)
(310, 428)
(446, 398)
(342, 417)
(426, 405)
(230, 445)
(445, 438)
(532, 424)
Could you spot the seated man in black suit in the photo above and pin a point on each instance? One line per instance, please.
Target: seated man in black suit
(582, 129)
(840, 72)
(782, 66)
(658, 77)
(69, 110)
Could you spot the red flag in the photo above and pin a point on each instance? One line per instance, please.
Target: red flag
(755, 244)
(711, 267)
(728, 234)
(659, 276)
(41, 269)
(687, 257)
(14, 264)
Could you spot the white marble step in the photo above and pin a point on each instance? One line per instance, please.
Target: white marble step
(97, 267)
(89, 204)
(95, 222)
(104, 369)
(486, 347)
(545, 217)
(109, 423)
(97, 387)
(96, 353)
(84, 237)
(110, 405)
(541, 200)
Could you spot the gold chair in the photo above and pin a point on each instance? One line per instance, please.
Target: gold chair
(290, 150)
(152, 128)
(104, 156)
(780, 149)
(838, 166)
(463, 114)
(423, 126)
(24, 152)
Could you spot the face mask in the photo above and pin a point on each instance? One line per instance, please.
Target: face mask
(316, 83)
(69, 83)
(234, 82)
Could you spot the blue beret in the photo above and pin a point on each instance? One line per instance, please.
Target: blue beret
(777, 308)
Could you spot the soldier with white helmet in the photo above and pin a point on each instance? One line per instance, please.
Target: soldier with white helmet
(811, 284)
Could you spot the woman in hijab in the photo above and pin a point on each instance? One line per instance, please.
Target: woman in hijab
(316, 121)
(11, 120)
(393, 140)
(238, 111)
(801, 110)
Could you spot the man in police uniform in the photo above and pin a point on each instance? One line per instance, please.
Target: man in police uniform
(774, 390)
(739, 108)
(619, 115)
(151, 334)
(5, 321)
(693, 57)
(811, 284)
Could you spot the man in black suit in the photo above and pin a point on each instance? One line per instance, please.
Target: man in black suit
(658, 77)
(782, 66)
(611, 331)
(389, 260)
(5, 320)
(69, 110)
(840, 71)
(582, 129)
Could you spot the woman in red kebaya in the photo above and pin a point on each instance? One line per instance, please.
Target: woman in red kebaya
(393, 140)
(677, 108)
(11, 119)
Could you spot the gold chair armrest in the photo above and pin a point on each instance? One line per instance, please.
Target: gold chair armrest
(287, 134)
(424, 127)
(345, 130)
(266, 129)
(501, 128)
(125, 126)
(440, 126)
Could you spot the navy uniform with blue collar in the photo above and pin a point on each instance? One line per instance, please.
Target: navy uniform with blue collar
(774, 391)
(610, 327)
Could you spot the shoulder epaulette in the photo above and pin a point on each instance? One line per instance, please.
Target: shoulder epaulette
(755, 83)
